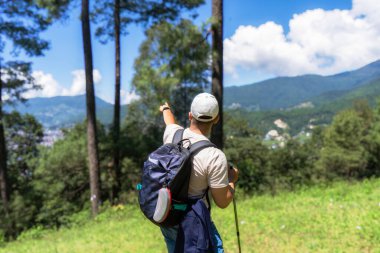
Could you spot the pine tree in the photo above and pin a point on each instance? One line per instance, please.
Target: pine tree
(20, 26)
(217, 68)
(92, 144)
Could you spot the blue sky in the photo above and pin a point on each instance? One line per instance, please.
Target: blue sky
(262, 39)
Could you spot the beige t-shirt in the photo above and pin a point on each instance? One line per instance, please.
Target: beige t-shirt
(210, 164)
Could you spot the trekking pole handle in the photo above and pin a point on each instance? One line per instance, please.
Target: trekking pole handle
(231, 166)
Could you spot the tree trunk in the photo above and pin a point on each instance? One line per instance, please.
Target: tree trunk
(116, 116)
(92, 147)
(217, 68)
(3, 158)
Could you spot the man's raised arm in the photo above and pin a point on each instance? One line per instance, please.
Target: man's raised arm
(167, 114)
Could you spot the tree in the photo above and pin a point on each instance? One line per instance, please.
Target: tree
(23, 136)
(21, 25)
(125, 12)
(116, 116)
(172, 66)
(63, 197)
(246, 151)
(92, 145)
(217, 68)
(373, 144)
(111, 28)
(344, 154)
(15, 80)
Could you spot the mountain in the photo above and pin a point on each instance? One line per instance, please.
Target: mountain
(63, 111)
(322, 111)
(285, 92)
(369, 91)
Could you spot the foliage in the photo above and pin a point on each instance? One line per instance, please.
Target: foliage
(141, 133)
(22, 22)
(23, 135)
(292, 167)
(245, 150)
(67, 162)
(344, 153)
(251, 157)
(172, 66)
(16, 79)
(373, 142)
(136, 12)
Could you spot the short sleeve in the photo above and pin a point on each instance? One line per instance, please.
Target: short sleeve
(169, 132)
(218, 170)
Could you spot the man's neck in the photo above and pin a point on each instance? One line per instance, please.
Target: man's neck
(198, 130)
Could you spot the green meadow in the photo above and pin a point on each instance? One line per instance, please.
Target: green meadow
(343, 217)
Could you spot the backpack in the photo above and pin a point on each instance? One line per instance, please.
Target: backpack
(163, 193)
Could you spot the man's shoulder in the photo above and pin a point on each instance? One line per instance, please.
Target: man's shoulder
(170, 131)
(212, 153)
(173, 127)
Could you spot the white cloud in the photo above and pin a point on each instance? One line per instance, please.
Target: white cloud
(318, 41)
(78, 85)
(369, 9)
(128, 97)
(50, 87)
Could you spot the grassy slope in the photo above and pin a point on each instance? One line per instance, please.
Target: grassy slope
(342, 218)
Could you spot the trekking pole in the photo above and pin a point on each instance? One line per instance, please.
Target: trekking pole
(236, 217)
(237, 224)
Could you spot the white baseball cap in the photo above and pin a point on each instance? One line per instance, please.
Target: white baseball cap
(204, 107)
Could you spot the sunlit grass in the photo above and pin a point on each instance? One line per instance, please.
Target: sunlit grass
(341, 218)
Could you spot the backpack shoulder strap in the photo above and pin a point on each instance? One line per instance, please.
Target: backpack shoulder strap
(195, 148)
(198, 146)
(178, 135)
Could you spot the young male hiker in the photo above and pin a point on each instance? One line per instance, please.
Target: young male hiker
(210, 171)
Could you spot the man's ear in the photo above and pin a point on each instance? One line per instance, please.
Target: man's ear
(190, 116)
(216, 120)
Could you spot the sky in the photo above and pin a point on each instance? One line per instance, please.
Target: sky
(262, 40)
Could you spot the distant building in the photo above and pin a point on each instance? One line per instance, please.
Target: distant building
(280, 138)
(272, 135)
(281, 124)
(51, 136)
(234, 106)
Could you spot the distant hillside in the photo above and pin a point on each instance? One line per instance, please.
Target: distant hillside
(285, 92)
(324, 109)
(62, 111)
(369, 92)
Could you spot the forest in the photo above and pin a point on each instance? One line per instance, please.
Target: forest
(96, 166)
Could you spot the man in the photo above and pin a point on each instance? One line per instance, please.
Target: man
(210, 166)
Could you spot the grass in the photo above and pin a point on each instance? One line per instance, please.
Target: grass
(344, 217)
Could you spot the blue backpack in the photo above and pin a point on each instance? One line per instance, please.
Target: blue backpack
(163, 195)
